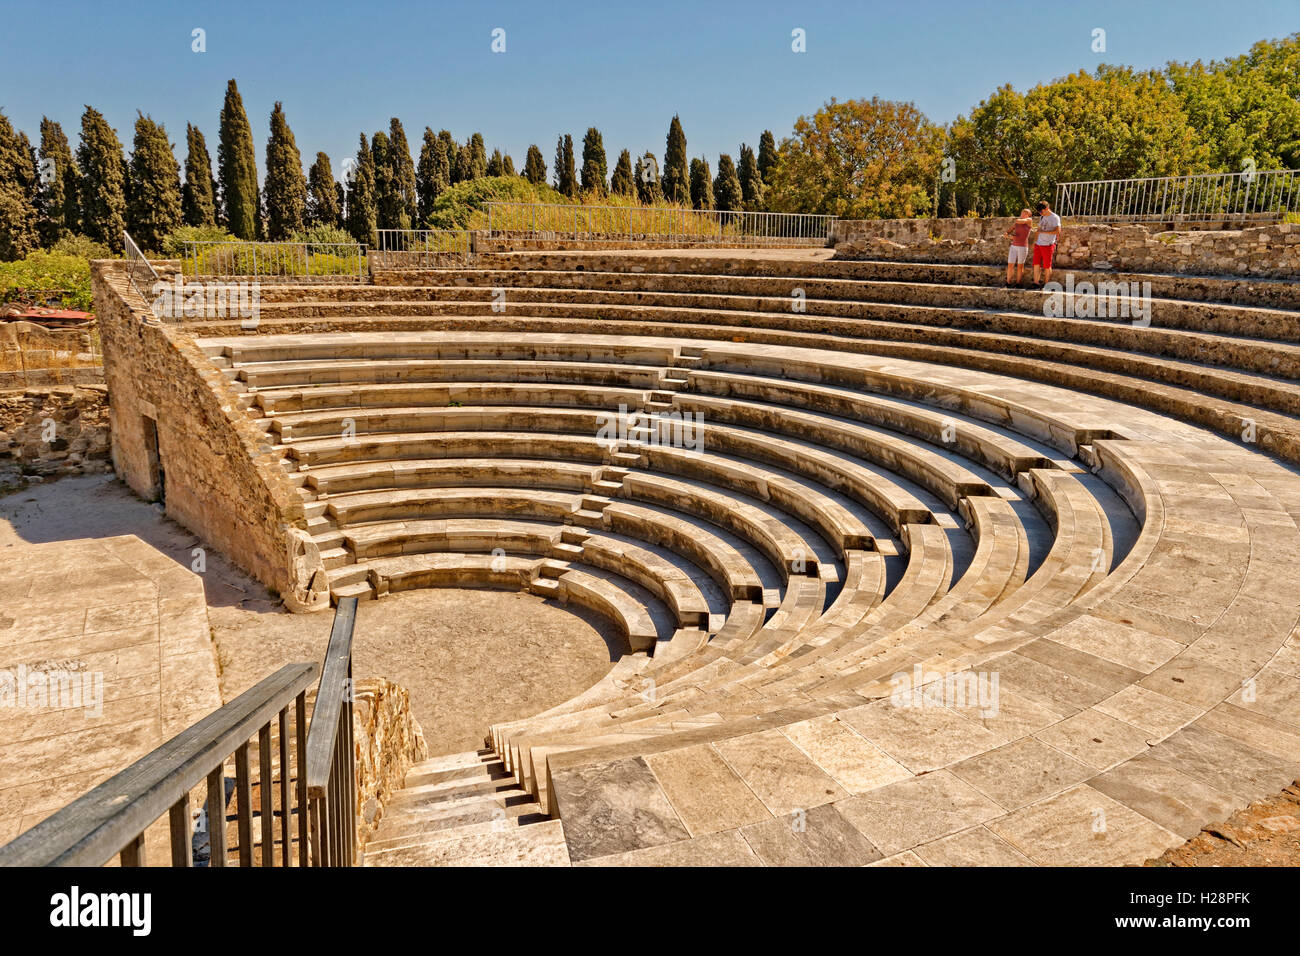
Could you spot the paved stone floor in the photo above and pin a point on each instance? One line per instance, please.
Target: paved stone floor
(104, 655)
(468, 657)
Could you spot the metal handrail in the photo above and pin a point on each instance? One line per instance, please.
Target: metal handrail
(1249, 196)
(331, 758)
(423, 248)
(295, 261)
(112, 818)
(556, 221)
(135, 260)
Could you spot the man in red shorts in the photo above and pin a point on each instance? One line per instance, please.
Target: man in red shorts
(1049, 229)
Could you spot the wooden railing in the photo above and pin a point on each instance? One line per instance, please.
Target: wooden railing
(316, 781)
(331, 757)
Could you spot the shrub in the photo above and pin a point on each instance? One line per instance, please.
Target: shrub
(323, 236)
(83, 248)
(463, 206)
(174, 244)
(47, 272)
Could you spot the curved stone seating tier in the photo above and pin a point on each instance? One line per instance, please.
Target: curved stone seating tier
(1220, 334)
(911, 487)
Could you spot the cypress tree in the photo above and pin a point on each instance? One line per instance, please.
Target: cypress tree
(361, 197)
(460, 166)
(153, 209)
(199, 194)
(403, 171)
(766, 156)
(322, 197)
(18, 229)
(701, 185)
(621, 183)
(535, 166)
(286, 186)
(237, 168)
(477, 168)
(648, 189)
(390, 210)
(594, 167)
(452, 149)
(727, 193)
(495, 166)
(57, 206)
(508, 166)
(676, 181)
(341, 198)
(103, 181)
(566, 180)
(751, 183)
(433, 175)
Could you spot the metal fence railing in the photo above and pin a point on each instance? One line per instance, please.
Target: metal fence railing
(555, 221)
(293, 261)
(423, 248)
(141, 272)
(1208, 197)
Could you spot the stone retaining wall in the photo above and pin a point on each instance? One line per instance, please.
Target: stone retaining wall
(179, 433)
(388, 742)
(55, 431)
(1267, 251)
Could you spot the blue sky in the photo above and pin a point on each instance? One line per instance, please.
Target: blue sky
(726, 67)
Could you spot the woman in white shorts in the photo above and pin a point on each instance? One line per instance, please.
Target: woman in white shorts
(1019, 251)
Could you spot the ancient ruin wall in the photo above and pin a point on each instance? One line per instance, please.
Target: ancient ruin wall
(221, 480)
(55, 431)
(1268, 251)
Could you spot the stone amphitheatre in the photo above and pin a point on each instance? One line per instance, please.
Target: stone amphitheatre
(901, 569)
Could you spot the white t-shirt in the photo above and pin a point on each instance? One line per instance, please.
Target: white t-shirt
(1050, 221)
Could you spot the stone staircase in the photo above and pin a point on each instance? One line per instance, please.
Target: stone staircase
(464, 810)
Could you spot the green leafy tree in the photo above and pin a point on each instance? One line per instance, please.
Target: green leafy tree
(751, 181)
(103, 181)
(286, 186)
(153, 210)
(199, 194)
(767, 155)
(323, 207)
(701, 185)
(361, 216)
(508, 166)
(675, 180)
(594, 168)
(18, 229)
(727, 193)
(403, 171)
(237, 169)
(57, 198)
(535, 166)
(1245, 109)
(495, 167)
(566, 179)
(621, 182)
(433, 174)
(1112, 124)
(859, 159)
